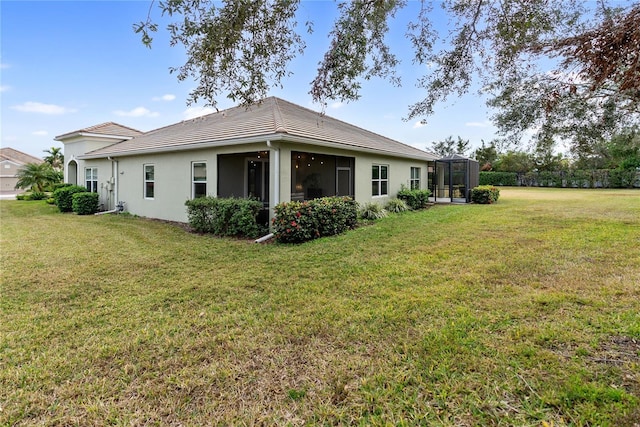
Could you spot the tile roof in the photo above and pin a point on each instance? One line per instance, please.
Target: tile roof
(272, 119)
(106, 129)
(16, 156)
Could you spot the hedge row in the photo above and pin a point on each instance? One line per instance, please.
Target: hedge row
(297, 222)
(498, 178)
(485, 194)
(84, 203)
(224, 216)
(415, 199)
(63, 196)
(578, 178)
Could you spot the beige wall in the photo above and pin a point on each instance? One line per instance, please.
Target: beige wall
(78, 146)
(399, 171)
(172, 184)
(172, 180)
(8, 171)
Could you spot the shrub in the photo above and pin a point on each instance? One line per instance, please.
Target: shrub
(334, 215)
(485, 194)
(372, 211)
(85, 203)
(224, 216)
(37, 195)
(396, 206)
(51, 201)
(63, 196)
(620, 178)
(415, 199)
(22, 196)
(54, 187)
(297, 222)
(498, 178)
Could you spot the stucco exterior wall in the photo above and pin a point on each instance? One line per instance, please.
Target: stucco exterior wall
(78, 146)
(399, 171)
(122, 179)
(172, 183)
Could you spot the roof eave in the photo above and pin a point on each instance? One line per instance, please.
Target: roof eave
(279, 136)
(66, 136)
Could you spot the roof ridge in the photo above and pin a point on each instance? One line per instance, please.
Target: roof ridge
(278, 117)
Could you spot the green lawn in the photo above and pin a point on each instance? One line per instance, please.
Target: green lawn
(521, 313)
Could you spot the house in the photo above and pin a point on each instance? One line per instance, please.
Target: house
(11, 160)
(274, 151)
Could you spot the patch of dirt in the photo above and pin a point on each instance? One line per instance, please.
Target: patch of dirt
(618, 350)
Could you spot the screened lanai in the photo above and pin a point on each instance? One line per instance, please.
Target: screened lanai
(452, 179)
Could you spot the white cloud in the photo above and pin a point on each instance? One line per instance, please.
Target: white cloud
(137, 112)
(484, 124)
(193, 112)
(336, 105)
(418, 125)
(4, 88)
(39, 107)
(4, 66)
(40, 133)
(166, 97)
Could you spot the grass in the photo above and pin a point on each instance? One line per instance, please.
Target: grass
(520, 313)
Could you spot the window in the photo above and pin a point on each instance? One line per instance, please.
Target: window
(198, 179)
(149, 181)
(91, 179)
(414, 183)
(379, 180)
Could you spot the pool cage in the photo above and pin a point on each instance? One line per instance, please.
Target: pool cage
(452, 179)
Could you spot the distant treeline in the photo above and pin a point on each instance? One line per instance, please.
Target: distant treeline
(597, 178)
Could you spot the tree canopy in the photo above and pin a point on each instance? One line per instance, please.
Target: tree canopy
(450, 146)
(55, 158)
(563, 68)
(37, 176)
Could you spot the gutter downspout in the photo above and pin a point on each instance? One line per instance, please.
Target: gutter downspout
(276, 184)
(114, 169)
(276, 167)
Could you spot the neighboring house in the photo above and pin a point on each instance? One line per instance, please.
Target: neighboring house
(275, 151)
(11, 160)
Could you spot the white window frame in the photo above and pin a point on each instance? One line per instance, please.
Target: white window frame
(414, 181)
(380, 180)
(147, 181)
(194, 181)
(91, 181)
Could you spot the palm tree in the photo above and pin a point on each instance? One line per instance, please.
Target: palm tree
(55, 158)
(37, 176)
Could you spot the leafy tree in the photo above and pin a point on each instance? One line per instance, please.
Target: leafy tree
(486, 155)
(449, 146)
(37, 176)
(515, 161)
(621, 151)
(241, 48)
(55, 158)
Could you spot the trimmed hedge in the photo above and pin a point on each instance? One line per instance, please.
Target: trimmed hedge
(498, 178)
(63, 196)
(297, 222)
(415, 199)
(485, 194)
(224, 216)
(84, 203)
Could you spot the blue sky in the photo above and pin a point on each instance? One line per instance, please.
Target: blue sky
(69, 65)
